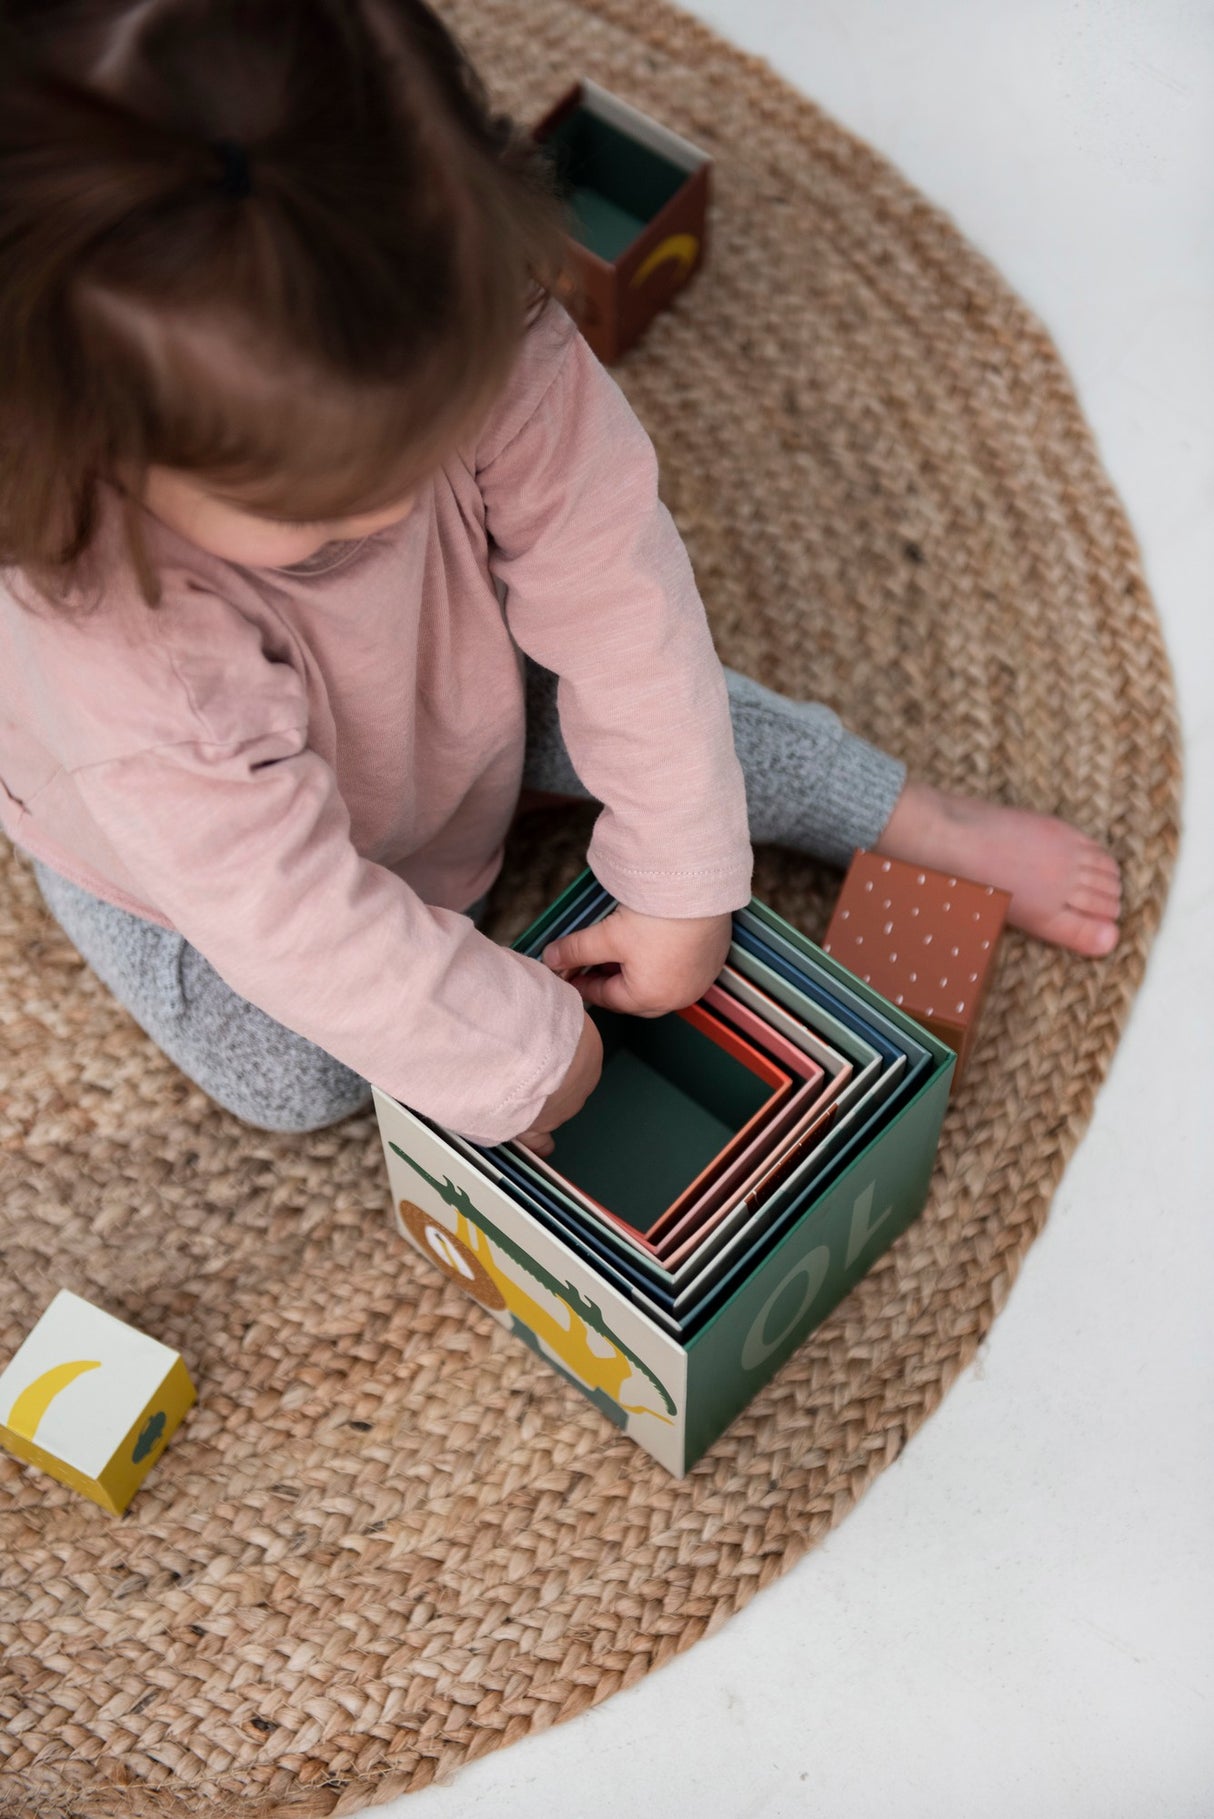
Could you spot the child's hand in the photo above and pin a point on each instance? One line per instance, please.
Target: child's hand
(658, 963)
(571, 1094)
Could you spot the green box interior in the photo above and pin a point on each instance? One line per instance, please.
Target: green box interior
(669, 1100)
(613, 185)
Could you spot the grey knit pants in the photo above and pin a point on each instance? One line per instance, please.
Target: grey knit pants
(810, 785)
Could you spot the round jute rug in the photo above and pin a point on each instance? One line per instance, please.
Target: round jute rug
(388, 1539)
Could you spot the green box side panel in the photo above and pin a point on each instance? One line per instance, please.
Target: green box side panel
(702, 1068)
(818, 1261)
(682, 1056)
(670, 1099)
(638, 1141)
(600, 225)
(595, 157)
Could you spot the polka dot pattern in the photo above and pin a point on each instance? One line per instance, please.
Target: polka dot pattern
(951, 925)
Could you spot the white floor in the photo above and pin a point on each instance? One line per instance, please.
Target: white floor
(1018, 1622)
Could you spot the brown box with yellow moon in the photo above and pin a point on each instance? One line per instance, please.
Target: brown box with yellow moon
(637, 199)
(924, 939)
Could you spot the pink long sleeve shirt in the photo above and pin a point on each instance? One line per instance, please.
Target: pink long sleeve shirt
(311, 774)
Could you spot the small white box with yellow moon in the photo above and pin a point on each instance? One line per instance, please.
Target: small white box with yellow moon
(92, 1400)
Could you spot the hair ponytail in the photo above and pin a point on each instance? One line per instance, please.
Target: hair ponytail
(73, 169)
(316, 189)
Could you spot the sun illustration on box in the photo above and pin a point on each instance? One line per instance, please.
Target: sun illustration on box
(586, 1352)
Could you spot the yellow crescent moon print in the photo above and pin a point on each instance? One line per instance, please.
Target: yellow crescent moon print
(34, 1400)
(682, 247)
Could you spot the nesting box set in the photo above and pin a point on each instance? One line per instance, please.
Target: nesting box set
(740, 1165)
(637, 198)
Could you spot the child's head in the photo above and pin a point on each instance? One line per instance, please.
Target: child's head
(262, 262)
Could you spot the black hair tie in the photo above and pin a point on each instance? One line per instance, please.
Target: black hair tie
(235, 177)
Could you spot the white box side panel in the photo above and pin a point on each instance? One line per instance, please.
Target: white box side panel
(536, 1286)
(81, 1377)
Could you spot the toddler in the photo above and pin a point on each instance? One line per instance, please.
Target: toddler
(326, 542)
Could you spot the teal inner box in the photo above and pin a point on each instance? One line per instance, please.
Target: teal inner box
(613, 186)
(669, 1100)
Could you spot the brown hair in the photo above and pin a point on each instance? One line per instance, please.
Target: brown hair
(284, 245)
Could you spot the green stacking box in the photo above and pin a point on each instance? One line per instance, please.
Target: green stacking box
(668, 1101)
(673, 1398)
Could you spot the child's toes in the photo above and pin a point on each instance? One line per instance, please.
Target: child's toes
(1094, 900)
(1100, 894)
(1092, 935)
(1099, 867)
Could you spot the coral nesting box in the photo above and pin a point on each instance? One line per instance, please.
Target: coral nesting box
(924, 939)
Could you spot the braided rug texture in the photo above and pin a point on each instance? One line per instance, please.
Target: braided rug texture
(388, 1540)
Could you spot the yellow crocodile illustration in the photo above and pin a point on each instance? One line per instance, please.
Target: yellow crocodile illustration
(584, 1351)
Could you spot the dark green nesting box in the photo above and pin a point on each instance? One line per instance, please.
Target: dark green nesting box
(638, 201)
(668, 1102)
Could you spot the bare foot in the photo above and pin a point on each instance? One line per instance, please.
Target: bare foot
(1065, 887)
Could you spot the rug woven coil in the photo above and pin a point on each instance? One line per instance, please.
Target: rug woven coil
(388, 1540)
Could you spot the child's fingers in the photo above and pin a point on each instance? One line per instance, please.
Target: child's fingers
(583, 947)
(541, 1143)
(613, 992)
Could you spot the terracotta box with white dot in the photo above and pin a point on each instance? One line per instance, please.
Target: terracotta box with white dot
(926, 940)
